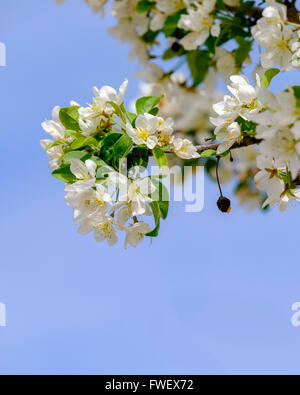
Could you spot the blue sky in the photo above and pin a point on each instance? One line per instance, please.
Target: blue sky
(212, 294)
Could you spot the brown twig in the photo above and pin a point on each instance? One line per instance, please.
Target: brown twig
(246, 142)
(297, 180)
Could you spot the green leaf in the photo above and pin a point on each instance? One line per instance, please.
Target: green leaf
(221, 5)
(81, 155)
(154, 111)
(171, 23)
(296, 89)
(103, 169)
(122, 147)
(199, 63)
(208, 153)
(69, 117)
(224, 36)
(164, 208)
(156, 214)
(150, 36)
(161, 195)
(84, 141)
(170, 53)
(118, 110)
(64, 173)
(224, 154)
(107, 149)
(144, 6)
(54, 143)
(78, 143)
(160, 157)
(139, 156)
(246, 126)
(147, 103)
(73, 134)
(237, 29)
(211, 44)
(241, 53)
(131, 117)
(245, 7)
(267, 77)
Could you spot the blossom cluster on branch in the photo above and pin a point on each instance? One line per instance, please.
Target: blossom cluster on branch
(100, 152)
(250, 135)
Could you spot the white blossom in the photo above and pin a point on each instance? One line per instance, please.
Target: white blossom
(136, 192)
(228, 136)
(55, 153)
(199, 23)
(145, 131)
(90, 117)
(243, 103)
(56, 130)
(184, 148)
(135, 233)
(280, 41)
(105, 230)
(54, 127)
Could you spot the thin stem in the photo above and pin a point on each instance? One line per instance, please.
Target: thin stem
(218, 178)
(292, 23)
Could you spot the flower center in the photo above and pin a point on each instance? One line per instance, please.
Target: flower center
(106, 228)
(289, 145)
(282, 45)
(252, 105)
(207, 21)
(164, 139)
(143, 133)
(141, 236)
(134, 189)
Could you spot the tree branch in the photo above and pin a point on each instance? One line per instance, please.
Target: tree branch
(297, 180)
(293, 15)
(246, 142)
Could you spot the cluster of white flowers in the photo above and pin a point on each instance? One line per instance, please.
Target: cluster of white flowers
(280, 40)
(199, 20)
(243, 104)
(275, 123)
(200, 23)
(96, 114)
(196, 33)
(154, 131)
(189, 108)
(132, 24)
(279, 157)
(107, 206)
(137, 17)
(54, 146)
(276, 119)
(130, 28)
(104, 195)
